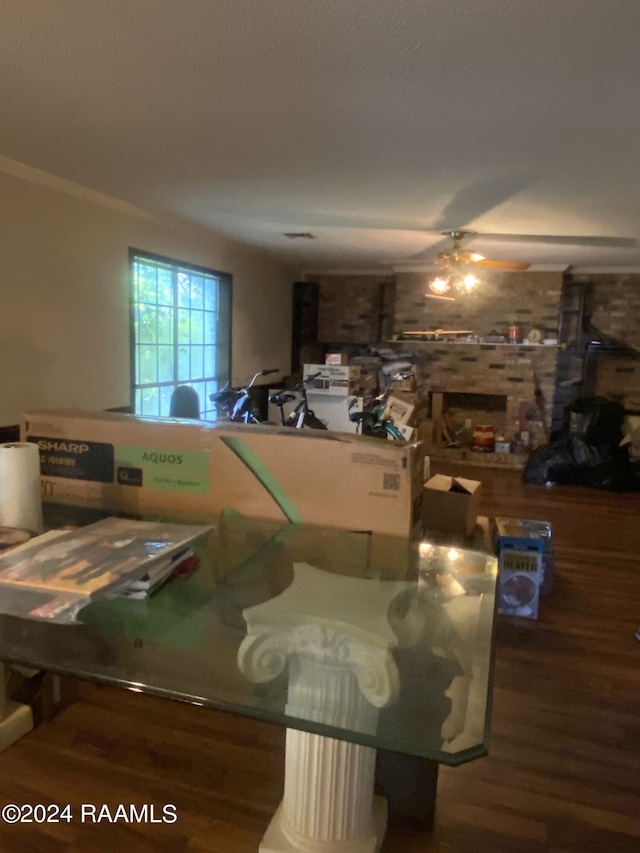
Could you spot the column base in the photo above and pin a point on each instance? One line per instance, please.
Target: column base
(276, 839)
(18, 720)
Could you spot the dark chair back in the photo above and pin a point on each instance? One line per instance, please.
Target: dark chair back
(185, 403)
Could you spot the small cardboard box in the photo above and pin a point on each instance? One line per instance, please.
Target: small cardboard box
(519, 582)
(336, 358)
(332, 378)
(450, 503)
(197, 469)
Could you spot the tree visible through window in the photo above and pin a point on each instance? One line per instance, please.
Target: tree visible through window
(181, 332)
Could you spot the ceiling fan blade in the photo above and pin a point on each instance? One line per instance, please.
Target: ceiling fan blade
(465, 257)
(563, 240)
(514, 266)
(472, 201)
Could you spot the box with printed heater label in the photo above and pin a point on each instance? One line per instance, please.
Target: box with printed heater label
(197, 469)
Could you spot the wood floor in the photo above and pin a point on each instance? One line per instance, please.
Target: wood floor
(563, 774)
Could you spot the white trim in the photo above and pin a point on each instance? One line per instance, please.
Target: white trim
(603, 270)
(430, 268)
(45, 179)
(381, 270)
(548, 268)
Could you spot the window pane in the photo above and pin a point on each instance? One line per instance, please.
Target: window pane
(197, 327)
(150, 401)
(184, 366)
(209, 320)
(147, 285)
(184, 290)
(197, 362)
(148, 365)
(165, 364)
(165, 286)
(165, 325)
(184, 326)
(209, 362)
(147, 332)
(210, 294)
(165, 400)
(197, 292)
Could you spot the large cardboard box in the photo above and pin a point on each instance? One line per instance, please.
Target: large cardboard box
(450, 504)
(198, 469)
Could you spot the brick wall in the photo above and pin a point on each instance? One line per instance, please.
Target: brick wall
(616, 312)
(352, 310)
(355, 309)
(529, 299)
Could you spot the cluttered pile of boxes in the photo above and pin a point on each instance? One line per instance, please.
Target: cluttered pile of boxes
(343, 385)
(524, 547)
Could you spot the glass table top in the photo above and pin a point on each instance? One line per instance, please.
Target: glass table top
(361, 638)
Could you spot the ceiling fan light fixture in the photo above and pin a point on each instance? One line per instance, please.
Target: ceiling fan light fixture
(454, 277)
(470, 282)
(440, 284)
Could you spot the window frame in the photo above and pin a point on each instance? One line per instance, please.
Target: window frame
(225, 280)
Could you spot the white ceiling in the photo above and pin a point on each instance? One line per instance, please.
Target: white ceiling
(372, 124)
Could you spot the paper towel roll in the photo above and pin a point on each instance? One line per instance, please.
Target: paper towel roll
(20, 501)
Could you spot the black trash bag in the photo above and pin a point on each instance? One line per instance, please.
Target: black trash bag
(596, 420)
(551, 463)
(573, 461)
(613, 472)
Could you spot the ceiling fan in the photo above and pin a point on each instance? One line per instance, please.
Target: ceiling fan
(458, 268)
(455, 254)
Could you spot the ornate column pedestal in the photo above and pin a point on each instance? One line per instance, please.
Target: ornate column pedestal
(334, 633)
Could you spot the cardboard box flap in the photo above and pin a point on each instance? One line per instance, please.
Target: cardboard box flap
(443, 483)
(461, 484)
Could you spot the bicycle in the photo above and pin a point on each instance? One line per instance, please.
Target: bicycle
(237, 403)
(301, 416)
(375, 420)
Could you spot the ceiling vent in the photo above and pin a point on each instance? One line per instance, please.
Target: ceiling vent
(299, 235)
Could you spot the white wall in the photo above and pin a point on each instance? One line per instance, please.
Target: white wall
(64, 291)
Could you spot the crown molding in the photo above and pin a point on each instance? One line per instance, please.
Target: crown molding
(347, 271)
(603, 270)
(45, 179)
(431, 268)
(548, 268)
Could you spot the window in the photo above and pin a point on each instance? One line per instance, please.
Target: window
(180, 332)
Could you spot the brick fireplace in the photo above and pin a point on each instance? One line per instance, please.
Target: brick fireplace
(490, 369)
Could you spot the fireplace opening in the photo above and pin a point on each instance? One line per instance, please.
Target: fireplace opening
(458, 415)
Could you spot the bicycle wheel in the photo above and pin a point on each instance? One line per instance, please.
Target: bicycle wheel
(393, 432)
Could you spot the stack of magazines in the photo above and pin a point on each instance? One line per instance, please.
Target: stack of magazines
(54, 575)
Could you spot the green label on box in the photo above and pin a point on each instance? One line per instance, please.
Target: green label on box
(159, 468)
